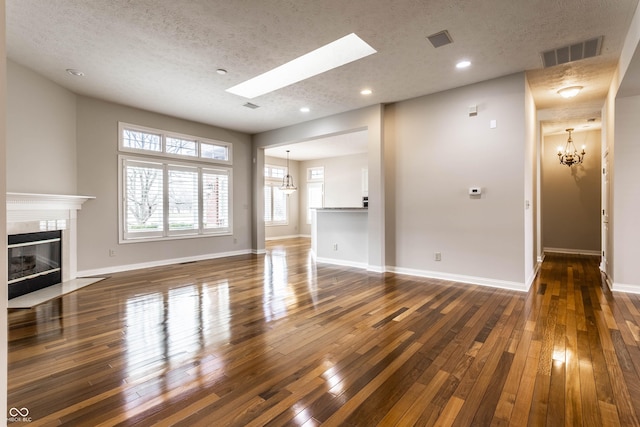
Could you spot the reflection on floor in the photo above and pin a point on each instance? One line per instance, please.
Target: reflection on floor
(274, 339)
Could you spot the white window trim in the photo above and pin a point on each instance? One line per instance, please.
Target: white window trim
(163, 136)
(166, 233)
(310, 172)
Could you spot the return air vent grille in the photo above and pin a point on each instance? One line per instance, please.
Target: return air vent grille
(574, 52)
(440, 39)
(251, 105)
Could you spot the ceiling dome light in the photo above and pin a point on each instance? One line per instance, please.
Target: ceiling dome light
(569, 92)
(305, 109)
(463, 64)
(75, 72)
(366, 92)
(221, 71)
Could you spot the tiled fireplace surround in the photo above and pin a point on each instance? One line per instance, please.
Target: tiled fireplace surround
(26, 211)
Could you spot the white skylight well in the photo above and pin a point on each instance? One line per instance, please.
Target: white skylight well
(333, 55)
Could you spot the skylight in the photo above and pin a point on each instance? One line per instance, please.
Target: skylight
(340, 52)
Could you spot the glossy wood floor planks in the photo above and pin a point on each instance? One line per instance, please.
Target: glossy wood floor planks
(277, 340)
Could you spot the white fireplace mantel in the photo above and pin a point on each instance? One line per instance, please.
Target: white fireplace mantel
(22, 207)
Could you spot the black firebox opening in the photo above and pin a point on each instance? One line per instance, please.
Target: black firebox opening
(34, 261)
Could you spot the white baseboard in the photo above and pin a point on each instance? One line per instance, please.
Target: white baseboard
(622, 287)
(606, 278)
(159, 263)
(531, 278)
(376, 269)
(342, 262)
(482, 281)
(258, 251)
(293, 236)
(572, 251)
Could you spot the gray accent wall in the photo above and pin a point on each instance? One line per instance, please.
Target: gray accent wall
(435, 151)
(62, 143)
(97, 141)
(41, 134)
(626, 195)
(3, 213)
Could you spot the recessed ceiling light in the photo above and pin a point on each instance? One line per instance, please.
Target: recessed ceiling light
(463, 64)
(366, 92)
(75, 72)
(569, 92)
(221, 71)
(305, 109)
(340, 52)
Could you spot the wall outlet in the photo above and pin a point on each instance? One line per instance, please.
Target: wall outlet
(437, 256)
(335, 246)
(112, 252)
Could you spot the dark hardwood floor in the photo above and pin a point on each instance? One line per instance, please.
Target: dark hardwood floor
(276, 340)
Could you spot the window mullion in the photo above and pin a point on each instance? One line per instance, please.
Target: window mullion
(165, 200)
(200, 201)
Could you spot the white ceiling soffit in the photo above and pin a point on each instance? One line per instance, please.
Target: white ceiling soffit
(162, 55)
(332, 146)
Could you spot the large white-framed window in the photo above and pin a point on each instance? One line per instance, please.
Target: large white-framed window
(276, 202)
(163, 199)
(172, 185)
(156, 142)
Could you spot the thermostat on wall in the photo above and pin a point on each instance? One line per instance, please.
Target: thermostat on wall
(475, 191)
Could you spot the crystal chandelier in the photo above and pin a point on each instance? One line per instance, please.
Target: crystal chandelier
(570, 156)
(287, 186)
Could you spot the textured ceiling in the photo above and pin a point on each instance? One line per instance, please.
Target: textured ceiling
(161, 55)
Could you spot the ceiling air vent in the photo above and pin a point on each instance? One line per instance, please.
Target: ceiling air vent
(574, 52)
(251, 105)
(440, 39)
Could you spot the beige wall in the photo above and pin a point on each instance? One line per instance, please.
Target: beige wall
(41, 134)
(571, 196)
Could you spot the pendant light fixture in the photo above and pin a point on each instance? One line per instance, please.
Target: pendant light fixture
(287, 186)
(570, 156)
